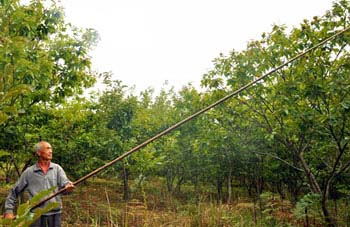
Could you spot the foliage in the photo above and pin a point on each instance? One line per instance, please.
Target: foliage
(25, 216)
(43, 60)
(308, 206)
(40, 60)
(302, 108)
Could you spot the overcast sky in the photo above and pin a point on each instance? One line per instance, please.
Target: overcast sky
(148, 42)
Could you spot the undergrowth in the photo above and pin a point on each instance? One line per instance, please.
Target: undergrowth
(98, 202)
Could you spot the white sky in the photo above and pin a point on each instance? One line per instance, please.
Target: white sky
(148, 42)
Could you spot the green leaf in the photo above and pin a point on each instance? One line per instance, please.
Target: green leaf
(4, 153)
(18, 90)
(40, 211)
(23, 209)
(39, 197)
(25, 216)
(3, 117)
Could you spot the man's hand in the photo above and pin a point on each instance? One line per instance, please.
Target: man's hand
(69, 187)
(9, 216)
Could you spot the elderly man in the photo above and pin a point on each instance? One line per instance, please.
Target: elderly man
(41, 176)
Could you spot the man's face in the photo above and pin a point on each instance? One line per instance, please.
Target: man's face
(45, 153)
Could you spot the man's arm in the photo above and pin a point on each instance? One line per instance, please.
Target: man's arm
(11, 199)
(63, 181)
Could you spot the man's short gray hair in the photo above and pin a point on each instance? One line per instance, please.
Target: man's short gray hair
(38, 146)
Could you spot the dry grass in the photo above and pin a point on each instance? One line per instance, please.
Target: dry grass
(99, 203)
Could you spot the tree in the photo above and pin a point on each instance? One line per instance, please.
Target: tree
(43, 60)
(117, 111)
(182, 163)
(304, 107)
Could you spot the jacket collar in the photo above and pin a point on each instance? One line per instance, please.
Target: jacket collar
(37, 167)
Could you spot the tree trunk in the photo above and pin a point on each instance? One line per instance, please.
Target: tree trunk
(15, 165)
(279, 188)
(178, 185)
(229, 186)
(254, 211)
(219, 189)
(126, 192)
(169, 180)
(315, 188)
(329, 220)
(307, 224)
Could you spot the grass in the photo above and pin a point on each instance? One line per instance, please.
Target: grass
(99, 203)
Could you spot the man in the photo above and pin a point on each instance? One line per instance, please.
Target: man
(41, 176)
